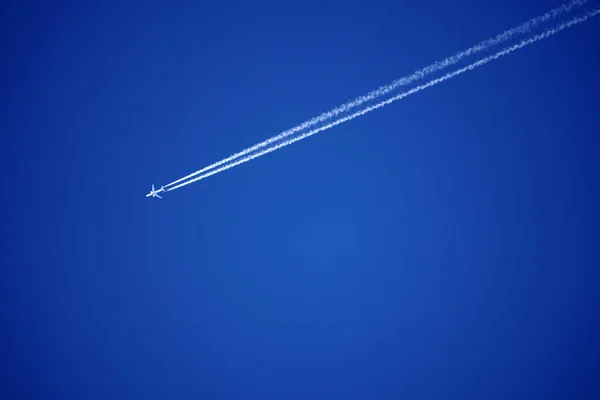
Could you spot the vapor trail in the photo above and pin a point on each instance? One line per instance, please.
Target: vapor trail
(383, 90)
(433, 82)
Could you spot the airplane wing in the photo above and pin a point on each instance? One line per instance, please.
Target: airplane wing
(158, 196)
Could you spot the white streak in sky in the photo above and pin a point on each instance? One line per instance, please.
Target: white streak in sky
(383, 90)
(433, 82)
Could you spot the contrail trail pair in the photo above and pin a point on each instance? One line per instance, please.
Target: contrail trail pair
(383, 90)
(483, 61)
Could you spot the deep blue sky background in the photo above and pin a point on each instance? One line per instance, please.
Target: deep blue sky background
(445, 246)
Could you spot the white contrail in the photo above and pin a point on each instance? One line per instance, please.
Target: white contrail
(433, 82)
(437, 66)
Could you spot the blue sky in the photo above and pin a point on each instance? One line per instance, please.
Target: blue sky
(445, 246)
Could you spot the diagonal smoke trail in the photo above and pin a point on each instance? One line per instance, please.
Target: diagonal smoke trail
(437, 66)
(483, 61)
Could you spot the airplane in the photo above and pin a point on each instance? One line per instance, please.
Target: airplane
(154, 193)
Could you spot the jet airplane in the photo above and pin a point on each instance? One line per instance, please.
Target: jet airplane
(154, 193)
